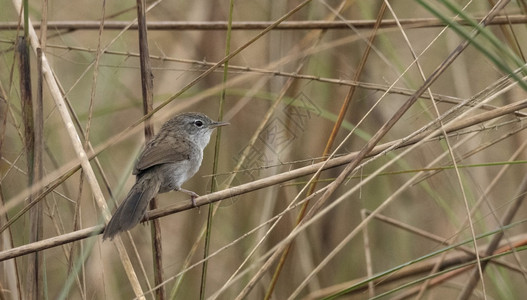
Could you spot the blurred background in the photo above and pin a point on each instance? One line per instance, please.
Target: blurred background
(284, 93)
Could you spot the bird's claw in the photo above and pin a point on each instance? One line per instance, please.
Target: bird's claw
(193, 196)
(193, 199)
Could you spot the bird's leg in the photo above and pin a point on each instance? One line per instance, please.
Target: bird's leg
(193, 196)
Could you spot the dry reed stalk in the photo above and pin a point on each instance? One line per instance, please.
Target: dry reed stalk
(34, 289)
(296, 75)
(147, 87)
(256, 25)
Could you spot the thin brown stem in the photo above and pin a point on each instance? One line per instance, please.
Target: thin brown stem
(147, 85)
(256, 25)
(34, 275)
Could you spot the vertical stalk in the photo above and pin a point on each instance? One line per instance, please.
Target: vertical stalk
(34, 276)
(147, 84)
(37, 212)
(213, 185)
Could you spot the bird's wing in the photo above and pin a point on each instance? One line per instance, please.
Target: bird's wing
(163, 151)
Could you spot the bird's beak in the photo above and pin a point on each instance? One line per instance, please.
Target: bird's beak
(218, 124)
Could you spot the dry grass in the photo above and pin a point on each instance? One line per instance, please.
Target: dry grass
(424, 181)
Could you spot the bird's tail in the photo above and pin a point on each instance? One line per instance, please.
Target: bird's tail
(133, 208)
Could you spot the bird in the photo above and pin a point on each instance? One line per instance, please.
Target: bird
(172, 157)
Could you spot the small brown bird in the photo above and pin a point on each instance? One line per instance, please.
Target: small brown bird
(168, 160)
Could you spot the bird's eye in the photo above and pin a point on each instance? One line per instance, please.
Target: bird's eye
(198, 123)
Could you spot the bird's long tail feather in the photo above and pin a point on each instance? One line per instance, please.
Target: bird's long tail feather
(133, 208)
